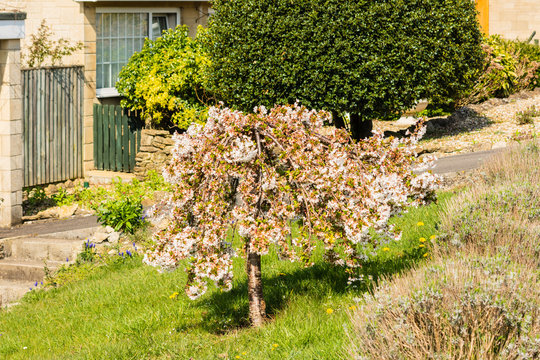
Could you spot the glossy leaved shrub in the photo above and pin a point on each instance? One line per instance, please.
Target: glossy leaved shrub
(371, 59)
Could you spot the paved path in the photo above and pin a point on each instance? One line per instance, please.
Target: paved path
(463, 162)
(43, 227)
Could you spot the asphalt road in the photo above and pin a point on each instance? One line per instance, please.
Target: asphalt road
(463, 162)
(444, 165)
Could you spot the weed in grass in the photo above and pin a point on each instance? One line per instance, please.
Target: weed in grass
(527, 116)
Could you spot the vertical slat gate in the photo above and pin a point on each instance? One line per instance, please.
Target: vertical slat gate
(52, 124)
(117, 134)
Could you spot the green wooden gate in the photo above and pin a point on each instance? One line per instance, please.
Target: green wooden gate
(52, 124)
(117, 138)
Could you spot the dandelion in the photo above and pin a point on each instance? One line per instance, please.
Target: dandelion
(433, 237)
(244, 353)
(237, 357)
(173, 295)
(352, 307)
(420, 223)
(386, 249)
(421, 245)
(422, 239)
(329, 311)
(426, 255)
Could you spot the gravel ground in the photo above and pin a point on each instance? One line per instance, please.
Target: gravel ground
(478, 127)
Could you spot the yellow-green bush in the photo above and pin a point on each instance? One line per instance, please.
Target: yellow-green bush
(165, 80)
(509, 66)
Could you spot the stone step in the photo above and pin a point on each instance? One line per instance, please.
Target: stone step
(11, 291)
(40, 249)
(25, 270)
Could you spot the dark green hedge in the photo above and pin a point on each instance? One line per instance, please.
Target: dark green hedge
(368, 57)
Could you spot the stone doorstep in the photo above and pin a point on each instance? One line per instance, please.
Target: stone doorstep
(32, 248)
(18, 270)
(26, 259)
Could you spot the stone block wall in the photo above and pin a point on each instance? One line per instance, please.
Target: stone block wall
(11, 139)
(155, 152)
(514, 18)
(65, 17)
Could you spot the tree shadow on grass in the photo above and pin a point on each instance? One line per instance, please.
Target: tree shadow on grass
(226, 311)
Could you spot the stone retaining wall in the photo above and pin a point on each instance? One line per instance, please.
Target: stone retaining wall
(155, 152)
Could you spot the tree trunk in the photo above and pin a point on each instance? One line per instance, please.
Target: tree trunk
(338, 120)
(360, 128)
(257, 306)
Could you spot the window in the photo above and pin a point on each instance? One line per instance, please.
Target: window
(120, 33)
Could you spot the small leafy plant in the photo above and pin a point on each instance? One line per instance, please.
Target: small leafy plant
(509, 67)
(36, 200)
(165, 81)
(62, 197)
(123, 214)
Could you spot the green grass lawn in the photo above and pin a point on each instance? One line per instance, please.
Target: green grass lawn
(125, 310)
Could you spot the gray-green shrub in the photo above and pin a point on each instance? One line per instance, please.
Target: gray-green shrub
(460, 308)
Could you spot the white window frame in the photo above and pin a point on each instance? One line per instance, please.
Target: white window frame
(111, 91)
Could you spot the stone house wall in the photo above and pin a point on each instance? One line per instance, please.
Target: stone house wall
(514, 18)
(65, 17)
(11, 149)
(76, 21)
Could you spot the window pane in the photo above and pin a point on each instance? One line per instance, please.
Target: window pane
(114, 50)
(115, 71)
(99, 79)
(106, 48)
(114, 25)
(118, 37)
(122, 24)
(159, 24)
(99, 52)
(106, 25)
(143, 25)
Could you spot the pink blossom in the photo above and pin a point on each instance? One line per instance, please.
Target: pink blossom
(259, 172)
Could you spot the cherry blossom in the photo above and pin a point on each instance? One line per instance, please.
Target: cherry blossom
(259, 173)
